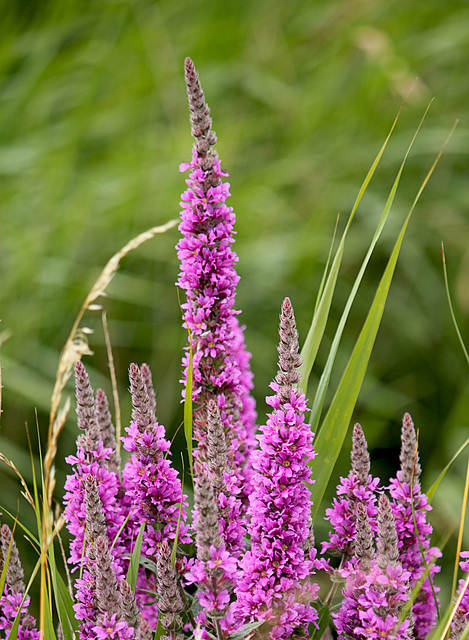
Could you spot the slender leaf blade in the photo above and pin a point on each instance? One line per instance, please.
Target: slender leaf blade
(188, 405)
(135, 559)
(325, 377)
(318, 324)
(330, 438)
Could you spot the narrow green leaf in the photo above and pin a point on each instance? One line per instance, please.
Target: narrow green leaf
(63, 600)
(326, 268)
(159, 630)
(444, 625)
(6, 562)
(330, 438)
(25, 529)
(448, 295)
(325, 377)
(245, 630)
(116, 537)
(431, 492)
(176, 539)
(49, 632)
(188, 406)
(135, 559)
(322, 622)
(318, 324)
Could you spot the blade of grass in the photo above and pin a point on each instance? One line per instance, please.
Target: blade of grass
(448, 295)
(461, 531)
(188, 407)
(322, 622)
(63, 601)
(326, 268)
(135, 559)
(325, 377)
(175, 545)
(316, 330)
(330, 438)
(445, 623)
(431, 492)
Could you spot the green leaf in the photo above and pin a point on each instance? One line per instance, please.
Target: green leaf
(453, 317)
(49, 632)
(322, 622)
(325, 377)
(159, 630)
(135, 559)
(6, 562)
(318, 324)
(330, 438)
(431, 492)
(188, 407)
(63, 600)
(245, 630)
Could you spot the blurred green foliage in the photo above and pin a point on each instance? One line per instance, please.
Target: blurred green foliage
(94, 124)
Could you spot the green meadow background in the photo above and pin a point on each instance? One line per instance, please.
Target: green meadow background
(93, 127)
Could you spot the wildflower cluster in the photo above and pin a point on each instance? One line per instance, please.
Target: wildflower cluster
(244, 563)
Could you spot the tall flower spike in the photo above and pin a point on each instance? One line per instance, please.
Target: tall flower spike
(289, 357)
(275, 584)
(409, 506)
(217, 450)
(360, 456)
(15, 573)
(129, 605)
(409, 456)
(388, 553)
(107, 590)
(11, 599)
(148, 381)
(364, 538)
(208, 276)
(106, 430)
(169, 600)
(85, 409)
(201, 123)
(461, 618)
(358, 487)
(142, 413)
(214, 568)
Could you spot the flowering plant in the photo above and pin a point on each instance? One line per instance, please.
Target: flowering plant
(243, 562)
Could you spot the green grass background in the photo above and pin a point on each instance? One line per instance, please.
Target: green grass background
(93, 126)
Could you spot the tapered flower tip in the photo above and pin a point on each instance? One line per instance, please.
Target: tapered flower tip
(79, 368)
(360, 456)
(387, 536)
(287, 308)
(407, 421)
(409, 456)
(189, 67)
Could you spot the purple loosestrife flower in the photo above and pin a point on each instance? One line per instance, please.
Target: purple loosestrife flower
(461, 618)
(13, 593)
(92, 458)
(112, 628)
(169, 600)
(376, 586)
(275, 584)
(208, 276)
(106, 431)
(224, 482)
(151, 483)
(409, 507)
(89, 604)
(153, 489)
(214, 568)
(358, 488)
